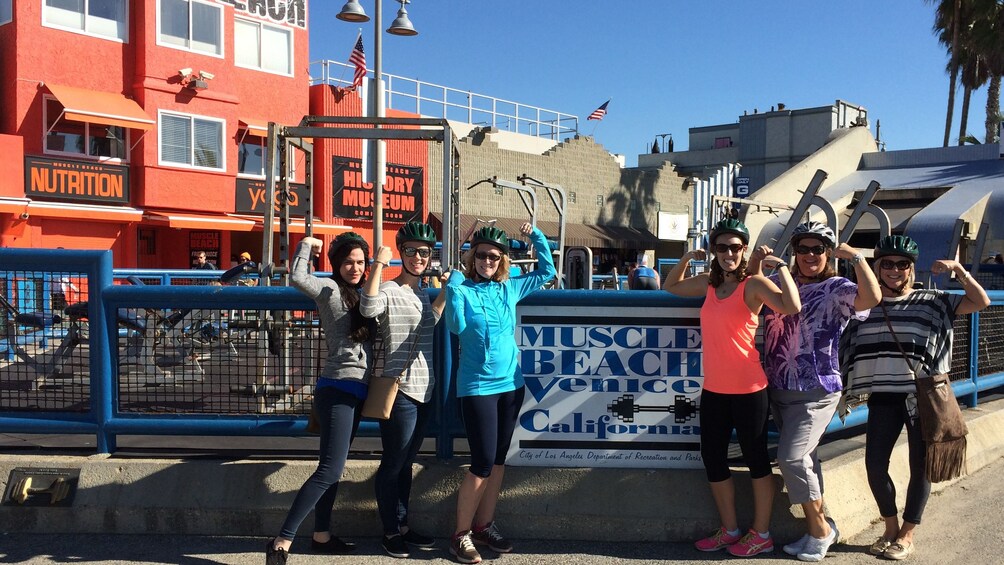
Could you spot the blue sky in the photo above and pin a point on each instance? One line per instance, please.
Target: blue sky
(671, 65)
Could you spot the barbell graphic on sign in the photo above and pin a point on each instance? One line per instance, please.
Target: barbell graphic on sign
(624, 407)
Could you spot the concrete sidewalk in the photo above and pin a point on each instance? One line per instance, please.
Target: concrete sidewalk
(250, 497)
(962, 525)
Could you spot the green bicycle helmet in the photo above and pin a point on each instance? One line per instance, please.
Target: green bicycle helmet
(416, 231)
(897, 245)
(732, 226)
(348, 238)
(492, 236)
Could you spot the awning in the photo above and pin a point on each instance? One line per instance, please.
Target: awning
(199, 222)
(296, 225)
(254, 126)
(96, 107)
(21, 206)
(582, 235)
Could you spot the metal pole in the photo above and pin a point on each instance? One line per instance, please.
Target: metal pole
(377, 158)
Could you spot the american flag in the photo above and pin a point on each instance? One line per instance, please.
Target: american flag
(599, 112)
(358, 59)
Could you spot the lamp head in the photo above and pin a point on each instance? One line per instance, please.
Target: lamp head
(353, 12)
(402, 25)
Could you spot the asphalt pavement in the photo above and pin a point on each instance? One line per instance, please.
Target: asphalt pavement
(963, 524)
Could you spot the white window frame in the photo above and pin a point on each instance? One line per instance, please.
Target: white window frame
(9, 5)
(193, 166)
(84, 31)
(244, 137)
(87, 136)
(261, 49)
(188, 48)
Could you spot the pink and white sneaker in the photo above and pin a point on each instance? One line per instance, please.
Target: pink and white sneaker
(718, 540)
(751, 544)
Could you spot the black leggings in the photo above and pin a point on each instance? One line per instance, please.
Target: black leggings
(887, 415)
(490, 421)
(747, 415)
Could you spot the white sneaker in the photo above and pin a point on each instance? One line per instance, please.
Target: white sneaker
(815, 548)
(796, 547)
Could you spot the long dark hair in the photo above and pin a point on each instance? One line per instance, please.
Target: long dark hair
(360, 328)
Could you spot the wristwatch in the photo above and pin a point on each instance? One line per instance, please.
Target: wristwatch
(856, 259)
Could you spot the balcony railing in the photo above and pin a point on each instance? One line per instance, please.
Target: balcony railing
(437, 101)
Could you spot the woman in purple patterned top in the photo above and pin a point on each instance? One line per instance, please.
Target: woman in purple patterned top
(803, 373)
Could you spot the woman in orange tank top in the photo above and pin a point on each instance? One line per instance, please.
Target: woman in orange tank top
(734, 395)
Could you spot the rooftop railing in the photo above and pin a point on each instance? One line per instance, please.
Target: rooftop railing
(437, 101)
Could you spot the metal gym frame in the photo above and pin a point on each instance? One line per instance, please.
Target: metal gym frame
(811, 197)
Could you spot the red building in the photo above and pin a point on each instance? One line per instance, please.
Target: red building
(138, 126)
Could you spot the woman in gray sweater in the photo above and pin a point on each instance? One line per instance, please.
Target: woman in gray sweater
(340, 389)
(406, 320)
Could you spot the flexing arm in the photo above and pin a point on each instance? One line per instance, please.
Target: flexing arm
(300, 275)
(545, 271)
(976, 298)
(869, 293)
(455, 302)
(691, 286)
(783, 297)
(372, 302)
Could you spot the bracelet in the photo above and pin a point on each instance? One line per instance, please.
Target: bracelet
(856, 259)
(779, 265)
(379, 262)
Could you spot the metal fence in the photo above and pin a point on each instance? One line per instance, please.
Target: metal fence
(433, 100)
(84, 350)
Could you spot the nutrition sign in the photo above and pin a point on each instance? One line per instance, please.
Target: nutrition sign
(63, 179)
(353, 199)
(607, 389)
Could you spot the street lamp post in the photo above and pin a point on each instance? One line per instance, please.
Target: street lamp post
(376, 148)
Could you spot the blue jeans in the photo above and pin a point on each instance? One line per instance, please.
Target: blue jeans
(339, 413)
(402, 436)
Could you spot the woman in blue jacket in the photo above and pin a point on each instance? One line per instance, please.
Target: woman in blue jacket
(481, 310)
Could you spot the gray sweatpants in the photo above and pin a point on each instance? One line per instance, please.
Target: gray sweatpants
(802, 418)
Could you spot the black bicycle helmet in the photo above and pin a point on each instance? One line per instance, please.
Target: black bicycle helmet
(901, 245)
(492, 236)
(732, 226)
(348, 238)
(416, 231)
(815, 230)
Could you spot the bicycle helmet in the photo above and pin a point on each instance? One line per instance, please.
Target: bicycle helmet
(732, 226)
(897, 245)
(349, 238)
(416, 231)
(815, 230)
(492, 236)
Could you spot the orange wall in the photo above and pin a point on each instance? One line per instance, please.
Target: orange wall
(11, 166)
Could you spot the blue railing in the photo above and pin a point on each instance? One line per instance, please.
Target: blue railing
(105, 301)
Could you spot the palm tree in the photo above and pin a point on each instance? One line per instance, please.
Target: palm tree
(973, 69)
(946, 26)
(973, 33)
(988, 41)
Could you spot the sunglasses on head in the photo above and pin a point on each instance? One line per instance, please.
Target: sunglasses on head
(423, 252)
(805, 249)
(898, 265)
(734, 248)
(485, 256)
